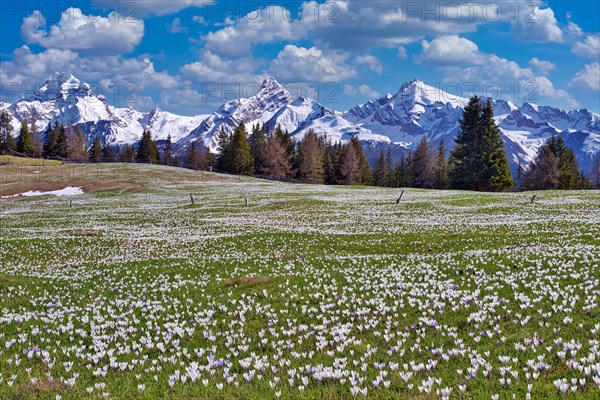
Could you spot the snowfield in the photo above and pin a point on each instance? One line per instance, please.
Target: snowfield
(68, 191)
(309, 292)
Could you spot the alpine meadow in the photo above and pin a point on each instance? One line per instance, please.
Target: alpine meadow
(299, 200)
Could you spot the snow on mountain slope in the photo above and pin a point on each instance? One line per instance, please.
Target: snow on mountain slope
(272, 106)
(304, 114)
(418, 110)
(65, 99)
(529, 126)
(269, 99)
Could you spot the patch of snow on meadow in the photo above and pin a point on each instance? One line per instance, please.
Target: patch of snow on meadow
(68, 191)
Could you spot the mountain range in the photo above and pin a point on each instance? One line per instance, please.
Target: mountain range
(398, 121)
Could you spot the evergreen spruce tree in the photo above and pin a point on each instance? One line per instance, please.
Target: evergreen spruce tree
(562, 168)
(329, 165)
(168, 156)
(154, 155)
(520, 176)
(332, 162)
(338, 151)
(409, 173)
(147, 149)
(7, 141)
(464, 159)
(258, 147)
(117, 150)
(311, 155)
(380, 171)
(143, 150)
(595, 172)
(584, 181)
(363, 164)
(51, 141)
(543, 173)
(95, 153)
(225, 157)
(107, 153)
(25, 142)
(556, 145)
(350, 172)
(400, 172)
(497, 176)
(569, 170)
(62, 143)
(242, 160)
(440, 167)
(192, 156)
(128, 154)
(390, 168)
(478, 161)
(423, 174)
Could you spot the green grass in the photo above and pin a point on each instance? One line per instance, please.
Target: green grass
(319, 277)
(28, 161)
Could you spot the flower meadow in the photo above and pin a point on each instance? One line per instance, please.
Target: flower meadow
(308, 292)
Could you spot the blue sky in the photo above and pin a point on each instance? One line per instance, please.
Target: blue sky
(189, 56)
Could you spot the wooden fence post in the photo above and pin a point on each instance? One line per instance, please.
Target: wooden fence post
(400, 198)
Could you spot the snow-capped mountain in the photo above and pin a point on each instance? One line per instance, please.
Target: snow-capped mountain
(398, 121)
(418, 110)
(273, 105)
(67, 100)
(527, 128)
(415, 110)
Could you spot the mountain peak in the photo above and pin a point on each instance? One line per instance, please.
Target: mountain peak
(62, 86)
(155, 110)
(273, 91)
(270, 81)
(419, 92)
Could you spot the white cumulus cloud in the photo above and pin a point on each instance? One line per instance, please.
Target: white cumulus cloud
(311, 64)
(214, 68)
(115, 76)
(261, 26)
(588, 78)
(542, 67)
(85, 33)
(538, 25)
(371, 61)
(461, 61)
(450, 49)
(590, 47)
(145, 8)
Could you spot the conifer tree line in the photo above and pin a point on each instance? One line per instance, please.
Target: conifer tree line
(65, 142)
(427, 168)
(555, 167)
(477, 161)
(313, 159)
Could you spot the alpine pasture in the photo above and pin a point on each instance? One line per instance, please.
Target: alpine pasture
(309, 292)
